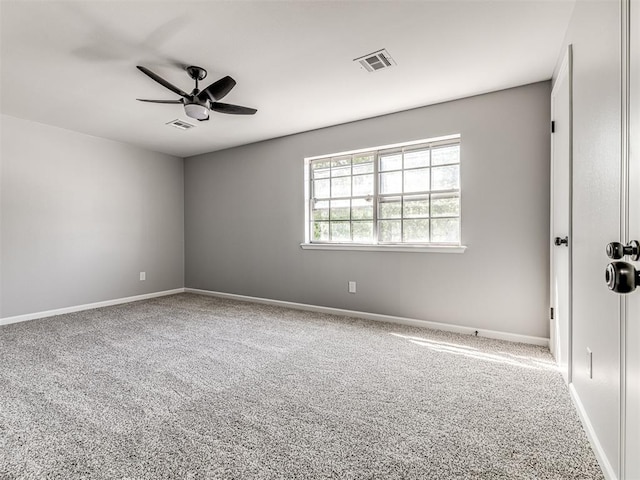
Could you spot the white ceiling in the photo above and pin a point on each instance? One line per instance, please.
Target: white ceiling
(72, 64)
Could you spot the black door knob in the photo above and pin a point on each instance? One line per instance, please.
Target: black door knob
(616, 250)
(561, 241)
(622, 277)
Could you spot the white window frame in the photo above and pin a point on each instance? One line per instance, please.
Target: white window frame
(375, 246)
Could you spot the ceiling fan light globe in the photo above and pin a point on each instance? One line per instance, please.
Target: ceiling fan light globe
(199, 112)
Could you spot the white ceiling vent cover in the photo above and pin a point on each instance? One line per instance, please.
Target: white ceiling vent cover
(180, 124)
(376, 61)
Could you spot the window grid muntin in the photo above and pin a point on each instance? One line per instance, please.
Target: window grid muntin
(378, 198)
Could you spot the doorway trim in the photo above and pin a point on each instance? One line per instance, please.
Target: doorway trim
(566, 69)
(625, 145)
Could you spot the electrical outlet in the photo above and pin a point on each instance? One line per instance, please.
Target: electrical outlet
(352, 287)
(143, 276)
(589, 362)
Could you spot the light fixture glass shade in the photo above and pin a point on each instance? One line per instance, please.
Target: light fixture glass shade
(199, 112)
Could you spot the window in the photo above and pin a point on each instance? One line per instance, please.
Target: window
(405, 194)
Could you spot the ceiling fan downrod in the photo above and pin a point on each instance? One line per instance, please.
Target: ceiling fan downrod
(197, 74)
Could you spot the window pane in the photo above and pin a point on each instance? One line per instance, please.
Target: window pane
(363, 168)
(362, 185)
(416, 231)
(416, 207)
(445, 178)
(341, 166)
(444, 155)
(340, 232)
(341, 187)
(321, 189)
(390, 231)
(445, 230)
(445, 206)
(363, 163)
(321, 210)
(416, 180)
(417, 158)
(363, 158)
(390, 208)
(361, 209)
(340, 209)
(391, 182)
(320, 169)
(362, 231)
(321, 231)
(340, 162)
(391, 162)
(340, 171)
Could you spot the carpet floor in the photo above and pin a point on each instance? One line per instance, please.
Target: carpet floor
(196, 387)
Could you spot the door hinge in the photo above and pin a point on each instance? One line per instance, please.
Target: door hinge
(551, 313)
(553, 127)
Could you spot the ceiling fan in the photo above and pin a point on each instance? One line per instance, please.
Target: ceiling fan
(198, 103)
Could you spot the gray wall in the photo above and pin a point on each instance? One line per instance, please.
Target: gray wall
(82, 216)
(244, 220)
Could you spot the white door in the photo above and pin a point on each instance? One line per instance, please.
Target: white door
(595, 214)
(560, 323)
(631, 348)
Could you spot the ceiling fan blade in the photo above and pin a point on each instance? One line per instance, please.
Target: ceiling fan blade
(218, 89)
(233, 109)
(162, 81)
(158, 101)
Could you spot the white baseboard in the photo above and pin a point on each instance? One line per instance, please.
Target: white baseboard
(88, 306)
(512, 337)
(605, 465)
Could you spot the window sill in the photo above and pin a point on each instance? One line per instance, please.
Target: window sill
(385, 248)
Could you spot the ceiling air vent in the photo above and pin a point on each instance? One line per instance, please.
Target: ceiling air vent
(180, 124)
(376, 61)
